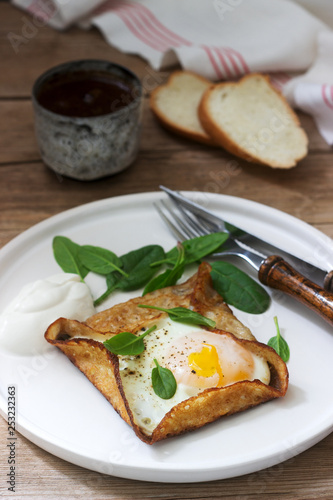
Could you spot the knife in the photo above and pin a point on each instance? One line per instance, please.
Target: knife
(277, 273)
(318, 276)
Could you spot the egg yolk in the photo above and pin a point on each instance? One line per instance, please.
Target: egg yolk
(205, 360)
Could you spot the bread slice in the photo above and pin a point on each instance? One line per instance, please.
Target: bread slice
(252, 120)
(175, 105)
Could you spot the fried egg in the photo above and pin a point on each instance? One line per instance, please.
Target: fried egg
(199, 359)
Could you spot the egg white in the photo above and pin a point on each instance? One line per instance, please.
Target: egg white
(149, 409)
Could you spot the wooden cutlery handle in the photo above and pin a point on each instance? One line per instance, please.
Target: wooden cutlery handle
(277, 273)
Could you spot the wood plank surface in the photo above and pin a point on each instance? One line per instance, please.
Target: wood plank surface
(43, 476)
(30, 192)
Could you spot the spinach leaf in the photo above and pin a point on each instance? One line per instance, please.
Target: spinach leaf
(170, 276)
(235, 231)
(66, 254)
(239, 289)
(198, 248)
(136, 264)
(127, 344)
(100, 260)
(163, 381)
(279, 344)
(183, 315)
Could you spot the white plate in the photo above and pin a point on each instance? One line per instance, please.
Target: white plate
(61, 411)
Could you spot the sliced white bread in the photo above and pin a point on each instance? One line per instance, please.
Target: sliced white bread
(175, 104)
(252, 120)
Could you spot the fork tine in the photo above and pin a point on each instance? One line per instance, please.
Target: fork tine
(197, 229)
(199, 222)
(207, 227)
(182, 222)
(188, 227)
(179, 232)
(200, 225)
(215, 223)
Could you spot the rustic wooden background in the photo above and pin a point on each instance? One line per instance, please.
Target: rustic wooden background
(30, 192)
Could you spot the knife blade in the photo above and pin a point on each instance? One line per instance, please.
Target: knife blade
(319, 276)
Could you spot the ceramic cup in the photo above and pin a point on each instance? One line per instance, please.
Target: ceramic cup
(88, 118)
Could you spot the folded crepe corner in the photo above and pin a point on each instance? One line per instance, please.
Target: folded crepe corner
(82, 343)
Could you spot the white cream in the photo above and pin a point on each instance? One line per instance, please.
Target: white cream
(24, 321)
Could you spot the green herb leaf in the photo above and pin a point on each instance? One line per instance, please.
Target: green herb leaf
(100, 260)
(279, 344)
(127, 344)
(183, 315)
(136, 265)
(239, 289)
(235, 231)
(163, 381)
(66, 254)
(170, 276)
(198, 248)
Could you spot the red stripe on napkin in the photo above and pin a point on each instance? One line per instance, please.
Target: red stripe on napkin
(138, 29)
(223, 62)
(227, 62)
(237, 71)
(327, 95)
(279, 80)
(237, 61)
(41, 11)
(211, 58)
(151, 20)
(143, 24)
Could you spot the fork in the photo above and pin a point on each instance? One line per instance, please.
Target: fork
(186, 225)
(216, 223)
(273, 270)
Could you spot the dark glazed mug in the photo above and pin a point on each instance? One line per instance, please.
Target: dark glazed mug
(88, 118)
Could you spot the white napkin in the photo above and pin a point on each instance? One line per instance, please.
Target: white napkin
(313, 91)
(220, 39)
(57, 13)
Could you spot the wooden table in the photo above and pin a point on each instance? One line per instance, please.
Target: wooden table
(30, 192)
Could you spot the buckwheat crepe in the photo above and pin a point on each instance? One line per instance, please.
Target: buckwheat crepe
(82, 343)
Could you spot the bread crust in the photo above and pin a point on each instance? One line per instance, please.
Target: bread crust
(170, 124)
(224, 139)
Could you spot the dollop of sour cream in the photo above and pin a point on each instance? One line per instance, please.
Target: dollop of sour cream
(25, 320)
